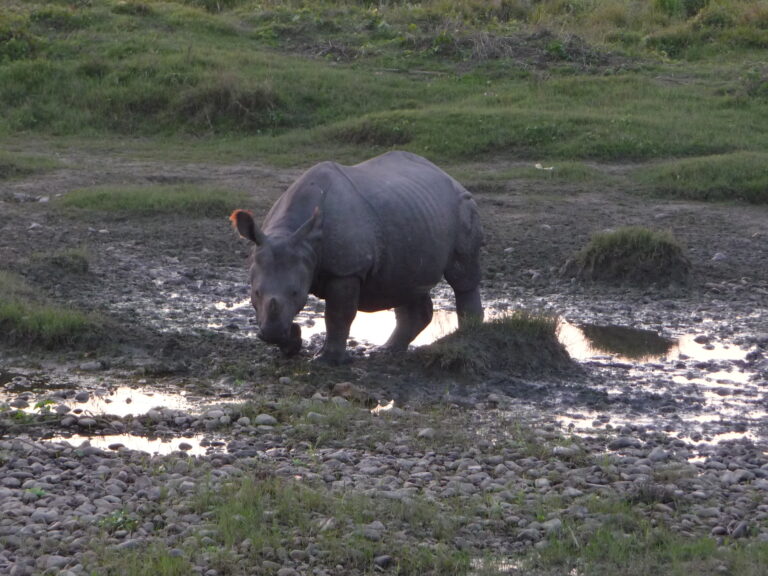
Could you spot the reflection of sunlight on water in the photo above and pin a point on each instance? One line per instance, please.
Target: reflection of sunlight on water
(120, 401)
(139, 443)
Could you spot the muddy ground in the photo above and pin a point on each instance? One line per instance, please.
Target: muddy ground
(171, 291)
(174, 287)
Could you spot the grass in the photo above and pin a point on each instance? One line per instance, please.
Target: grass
(185, 200)
(29, 321)
(274, 513)
(521, 343)
(294, 82)
(14, 165)
(725, 177)
(154, 560)
(632, 254)
(67, 260)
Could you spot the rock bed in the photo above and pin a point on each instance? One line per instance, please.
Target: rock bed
(60, 504)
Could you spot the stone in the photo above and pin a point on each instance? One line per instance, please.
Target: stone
(553, 526)
(384, 561)
(374, 531)
(624, 442)
(265, 420)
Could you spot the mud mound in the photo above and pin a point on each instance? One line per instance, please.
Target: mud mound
(631, 255)
(519, 345)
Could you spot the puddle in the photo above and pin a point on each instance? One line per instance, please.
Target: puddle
(117, 400)
(160, 446)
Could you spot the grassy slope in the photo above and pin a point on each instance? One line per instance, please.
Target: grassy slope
(292, 80)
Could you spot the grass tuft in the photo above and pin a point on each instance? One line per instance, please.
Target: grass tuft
(633, 255)
(29, 322)
(519, 344)
(186, 200)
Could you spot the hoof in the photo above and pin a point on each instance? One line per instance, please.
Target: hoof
(293, 345)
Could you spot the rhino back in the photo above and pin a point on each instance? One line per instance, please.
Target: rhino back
(417, 211)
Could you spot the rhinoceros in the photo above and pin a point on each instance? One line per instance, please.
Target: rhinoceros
(373, 236)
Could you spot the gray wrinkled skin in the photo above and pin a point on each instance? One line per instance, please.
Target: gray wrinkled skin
(368, 237)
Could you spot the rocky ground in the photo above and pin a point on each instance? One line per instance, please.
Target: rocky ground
(511, 462)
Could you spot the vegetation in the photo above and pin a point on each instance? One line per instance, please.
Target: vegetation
(295, 81)
(155, 200)
(16, 165)
(29, 321)
(519, 344)
(265, 510)
(634, 255)
(629, 543)
(737, 176)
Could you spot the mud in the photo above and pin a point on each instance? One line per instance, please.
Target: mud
(690, 362)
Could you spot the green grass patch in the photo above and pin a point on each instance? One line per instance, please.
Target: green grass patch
(67, 261)
(628, 542)
(184, 200)
(632, 254)
(292, 81)
(152, 560)
(29, 321)
(18, 165)
(521, 343)
(727, 177)
(276, 512)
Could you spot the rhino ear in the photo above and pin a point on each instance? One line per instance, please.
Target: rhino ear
(311, 230)
(243, 222)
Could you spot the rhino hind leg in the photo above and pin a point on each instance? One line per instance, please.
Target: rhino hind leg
(469, 306)
(412, 318)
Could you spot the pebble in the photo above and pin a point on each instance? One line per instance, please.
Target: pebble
(265, 420)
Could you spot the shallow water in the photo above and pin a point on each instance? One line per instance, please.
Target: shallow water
(161, 446)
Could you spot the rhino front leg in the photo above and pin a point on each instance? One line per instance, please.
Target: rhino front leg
(411, 320)
(469, 306)
(342, 296)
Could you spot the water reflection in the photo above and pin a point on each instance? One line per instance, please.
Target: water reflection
(160, 446)
(119, 401)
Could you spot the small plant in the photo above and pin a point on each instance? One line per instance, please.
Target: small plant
(37, 491)
(119, 520)
(632, 255)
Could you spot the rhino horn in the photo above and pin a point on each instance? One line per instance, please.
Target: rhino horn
(243, 222)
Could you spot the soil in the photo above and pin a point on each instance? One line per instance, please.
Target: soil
(169, 289)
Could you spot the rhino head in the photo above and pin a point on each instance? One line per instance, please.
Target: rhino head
(282, 271)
